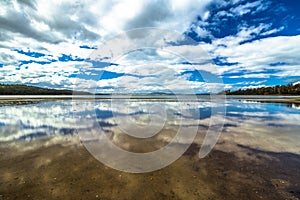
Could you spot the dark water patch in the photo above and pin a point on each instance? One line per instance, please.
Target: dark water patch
(32, 136)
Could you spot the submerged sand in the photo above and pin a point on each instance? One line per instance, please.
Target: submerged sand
(252, 160)
(68, 171)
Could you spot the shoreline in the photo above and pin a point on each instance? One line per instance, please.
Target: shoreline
(30, 99)
(287, 101)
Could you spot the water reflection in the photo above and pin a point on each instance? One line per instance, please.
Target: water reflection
(268, 126)
(31, 121)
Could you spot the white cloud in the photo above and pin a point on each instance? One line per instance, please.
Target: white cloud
(60, 27)
(53, 21)
(239, 8)
(274, 53)
(243, 9)
(250, 82)
(149, 78)
(245, 34)
(253, 86)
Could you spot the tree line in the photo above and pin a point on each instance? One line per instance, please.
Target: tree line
(289, 89)
(8, 89)
(12, 89)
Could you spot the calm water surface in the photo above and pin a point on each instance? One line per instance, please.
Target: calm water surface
(256, 156)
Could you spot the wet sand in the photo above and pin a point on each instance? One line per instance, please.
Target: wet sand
(68, 171)
(23, 100)
(287, 101)
(267, 99)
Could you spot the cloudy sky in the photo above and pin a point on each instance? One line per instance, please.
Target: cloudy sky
(150, 45)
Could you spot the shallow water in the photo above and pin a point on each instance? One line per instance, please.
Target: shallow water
(46, 149)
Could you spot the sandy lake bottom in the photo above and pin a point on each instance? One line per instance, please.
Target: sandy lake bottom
(43, 154)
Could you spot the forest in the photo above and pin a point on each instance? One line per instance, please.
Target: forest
(11, 89)
(289, 89)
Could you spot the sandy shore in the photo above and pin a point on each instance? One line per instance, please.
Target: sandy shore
(266, 100)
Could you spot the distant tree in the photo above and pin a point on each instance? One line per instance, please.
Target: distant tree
(7, 89)
(288, 89)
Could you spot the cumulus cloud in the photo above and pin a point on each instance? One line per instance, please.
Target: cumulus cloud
(66, 32)
(57, 21)
(59, 28)
(275, 53)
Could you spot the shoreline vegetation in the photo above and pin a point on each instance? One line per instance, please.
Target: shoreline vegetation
(12, 89)
(278, 90)
(289, 89)
(22, 94)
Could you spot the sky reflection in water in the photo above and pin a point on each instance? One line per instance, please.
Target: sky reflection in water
(268, 126)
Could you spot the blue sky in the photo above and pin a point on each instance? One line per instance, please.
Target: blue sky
(206, 45)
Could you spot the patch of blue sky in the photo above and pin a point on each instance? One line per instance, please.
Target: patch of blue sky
(194, 75)
(30, 53)
(278, 64)
(243, 73)
(221, 61)
(292, 79)
(281, 16)
(25, 62)
(240, 82)
(66, 58)
(100, 64)
(102, 75)
(192, 34)
(87, 47)
(72, 76)
(201, 76)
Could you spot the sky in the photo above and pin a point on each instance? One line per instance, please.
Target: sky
(125, 46)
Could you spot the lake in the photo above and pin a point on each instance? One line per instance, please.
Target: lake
(70, 148)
